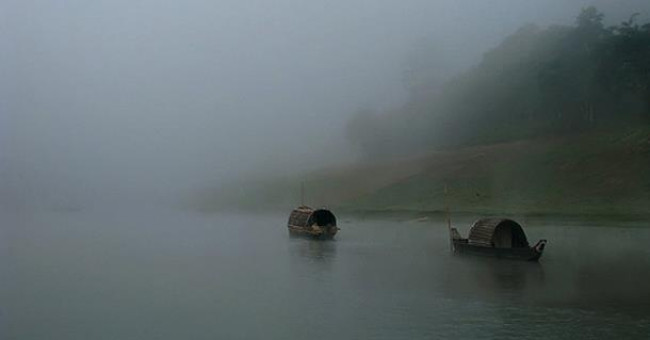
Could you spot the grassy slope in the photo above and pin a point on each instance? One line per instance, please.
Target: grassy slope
(590, 174)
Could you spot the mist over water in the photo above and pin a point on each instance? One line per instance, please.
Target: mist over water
(165, 276)
(122, 102)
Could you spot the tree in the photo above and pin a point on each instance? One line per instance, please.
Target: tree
(590, 18)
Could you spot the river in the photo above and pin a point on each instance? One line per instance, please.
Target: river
(177, 275)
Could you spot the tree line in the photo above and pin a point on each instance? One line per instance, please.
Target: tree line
(536, 82)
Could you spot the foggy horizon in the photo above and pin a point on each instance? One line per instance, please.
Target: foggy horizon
(115, 101)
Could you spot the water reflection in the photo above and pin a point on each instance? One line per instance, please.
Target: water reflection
(318, 250)
(488, 279)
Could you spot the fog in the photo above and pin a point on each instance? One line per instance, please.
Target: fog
(116, 102)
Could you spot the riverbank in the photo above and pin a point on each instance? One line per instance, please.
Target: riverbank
(595, 175)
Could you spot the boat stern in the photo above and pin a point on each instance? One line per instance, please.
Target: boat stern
(539, 246)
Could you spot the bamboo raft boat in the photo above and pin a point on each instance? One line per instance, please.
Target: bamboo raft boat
(496, 237)
(313, 223)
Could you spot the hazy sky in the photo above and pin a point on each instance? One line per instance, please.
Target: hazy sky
(115, 99)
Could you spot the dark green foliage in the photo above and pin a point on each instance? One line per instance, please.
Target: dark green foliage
(537, 82)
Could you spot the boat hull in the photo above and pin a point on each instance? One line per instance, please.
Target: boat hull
(314, 233)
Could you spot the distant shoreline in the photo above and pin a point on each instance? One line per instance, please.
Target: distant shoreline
(437, 214)
(595, 176)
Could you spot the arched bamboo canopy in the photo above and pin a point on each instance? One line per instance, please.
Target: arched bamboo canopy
(305, 217)
(498, 233)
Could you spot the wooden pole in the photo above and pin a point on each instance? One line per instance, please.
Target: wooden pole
(447, 209)
(302, 193)
(451, 241)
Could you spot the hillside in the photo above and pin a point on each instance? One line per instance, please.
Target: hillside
(551, 121)
(596, 173)
(538, 82)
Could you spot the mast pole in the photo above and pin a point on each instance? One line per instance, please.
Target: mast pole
(447, 209)
(451, 241)
(302, 193)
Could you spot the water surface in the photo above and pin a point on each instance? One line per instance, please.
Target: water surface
(153, 275)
